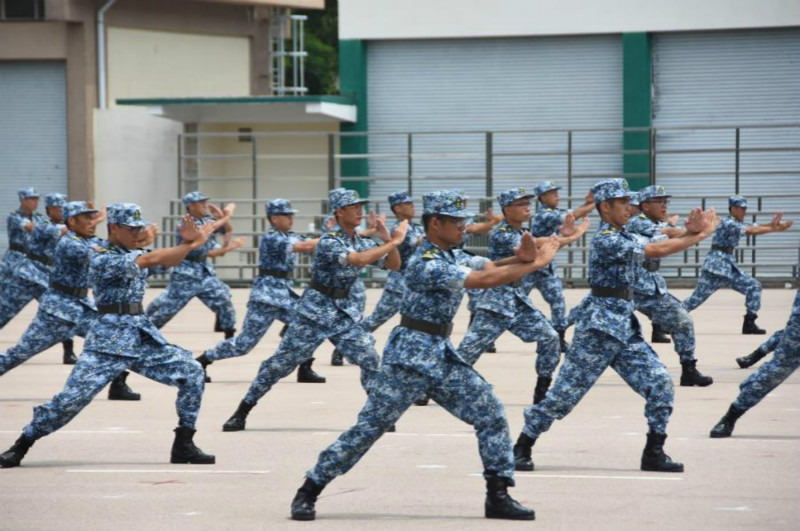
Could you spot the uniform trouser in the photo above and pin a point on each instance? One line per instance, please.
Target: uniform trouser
(301, 340)
(167, 364)
(590, 353)
(256, 323)
(667, 311)
(210, 290)
(359, 294)
(461, 391)
(552, 291)
(15, 295)
(528, 324)
(44, 331)
(708, 283)
(772, 343)
(388, 305)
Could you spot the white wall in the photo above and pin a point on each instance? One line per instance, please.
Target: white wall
(422, 19)
(135, 159)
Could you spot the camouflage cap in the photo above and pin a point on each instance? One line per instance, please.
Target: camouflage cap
(652, 192)
(445, 203)
(279, 206)
(509, 196)
(342, 197)
(399, 197)
(737, 201)
(73, 208)
(55, 200)
(194, 197)
(634, 199)
(544, 187)
(27, 193)
(610, 189)
(128, 214)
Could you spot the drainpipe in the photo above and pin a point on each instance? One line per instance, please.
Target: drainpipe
(101, 54)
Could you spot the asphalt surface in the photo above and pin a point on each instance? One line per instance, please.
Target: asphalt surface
(109, 468)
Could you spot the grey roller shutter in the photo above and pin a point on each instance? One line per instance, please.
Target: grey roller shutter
(33, 132)
(731, 78)
(492, 85)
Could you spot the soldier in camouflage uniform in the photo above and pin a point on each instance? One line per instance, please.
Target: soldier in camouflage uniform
(122, 337)
(650, 291)
(326, 310)
(767, 377)
(608, 333)
(272, 296)
(547, 220)
(508, 307)
(195, 276)
(720, 269)
(420, 358)
(16, 292)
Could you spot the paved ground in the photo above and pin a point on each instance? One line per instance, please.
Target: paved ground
(109, 468)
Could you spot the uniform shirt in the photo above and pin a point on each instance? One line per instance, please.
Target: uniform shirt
(42, 242)
(504, 299)
(117, 278)
(648, 282)
(546, 222)
(15, 224)
(276, 252)
(196, 264)
(728, 234)
(330, 268)
(435, 287)
(72, 259)
(615, 256)
(406, 250)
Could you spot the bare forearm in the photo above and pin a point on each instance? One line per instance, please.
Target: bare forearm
(583, 210)
(673, 245)
(503, 274)
(370, 256)
(393, 261)
(305, 246)
(168, 257)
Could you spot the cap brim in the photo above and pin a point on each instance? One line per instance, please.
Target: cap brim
(359, 202)
(84, 212)
(139, 223)
(458, 214)
(292, 211)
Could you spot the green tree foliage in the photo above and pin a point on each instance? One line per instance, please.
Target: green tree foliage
(322, 45)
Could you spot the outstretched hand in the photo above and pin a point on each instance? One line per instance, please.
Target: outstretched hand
(673, 219)
(568, 228)
(527, 250)
(146, 236)
(548, 249)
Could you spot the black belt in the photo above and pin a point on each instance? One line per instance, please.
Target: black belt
(121, 308)
(725, 249)
(613, 293)
(652, 266)
(434, 329)
(273, 273)
(39, 258)
(198, 259)
(333, 293)
(63, 288)
(17, 247)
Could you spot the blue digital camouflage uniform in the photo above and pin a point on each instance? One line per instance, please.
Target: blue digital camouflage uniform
(116, 342)
(650, 292)
(416, 362)
(608, 334)
(394, 289)
(63, 312)
(271, 297)
(546, 222)
(319, 316)
(720, 269)
(508, 307)
(195, 277)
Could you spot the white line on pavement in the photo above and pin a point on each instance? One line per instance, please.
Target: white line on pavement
(84, 432)
(576, 476)
(164, 471)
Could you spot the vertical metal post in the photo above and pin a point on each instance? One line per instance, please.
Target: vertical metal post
(489, 163)
(569, 169)
(738, 139)
(254, 205)
(410, 164)
(180, 165)
(652, 156)
(331, 161)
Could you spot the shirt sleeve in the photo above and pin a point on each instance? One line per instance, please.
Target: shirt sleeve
(332, 251)
(438, 274)
(108, 266)
(615, 248)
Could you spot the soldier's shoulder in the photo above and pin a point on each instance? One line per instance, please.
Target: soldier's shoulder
(431, 254)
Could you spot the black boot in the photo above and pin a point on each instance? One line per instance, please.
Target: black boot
(658, 335)
(185, 452)
(69, 352)
(492, 349)
(13, 456)
(305, 374)
(238, 419)
(204, 363)
(542, 385)
(724, 427)
(336, 358)
(119, 390)
(522, 453)
(690, 376)
(500, 505)
(423, 400)
(562, 341)
(749, 326)
(229, 333)
(304, 501)
(751, 359)
(653, 457)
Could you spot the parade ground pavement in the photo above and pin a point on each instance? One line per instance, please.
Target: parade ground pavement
(109, 468)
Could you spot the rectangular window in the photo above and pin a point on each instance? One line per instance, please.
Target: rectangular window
(21, 9)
